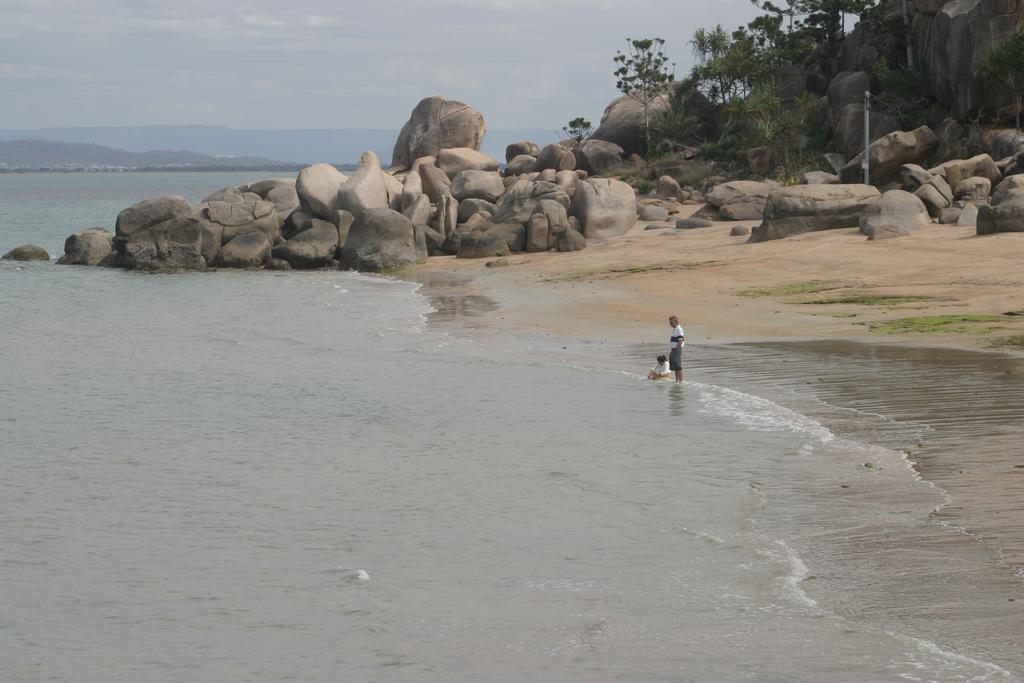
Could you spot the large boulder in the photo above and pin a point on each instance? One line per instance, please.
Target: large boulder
(469, 207)
(555, 157)
(846, 113)
(285, 200)
(454, 161)
(365, 189)
(524, 163)
(419, 212)
(568, 239)
(1006, 216)
(956, 170)
(314, 247)
(317, 187)
(887, 154)
(436, 124)
(179, 243)
(513, 234)
(1004, 188)
(231, 219)
(90, 247)
(623, 122)
(604, 207)
(435, 182)
(412, 189)
(148, 213)
(380, 240)
(26, 252)
(896, 207)
(807, 208)
(520, 200)
(481, 244)
(598, 157)
(264, 187)
(952, 44)
(470, 184)
(519, 148)
(975, 187)
(741, 200)
(250, 250)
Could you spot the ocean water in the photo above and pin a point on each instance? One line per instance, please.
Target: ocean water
(326, 476)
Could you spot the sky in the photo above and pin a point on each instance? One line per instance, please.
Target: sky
(326, 63)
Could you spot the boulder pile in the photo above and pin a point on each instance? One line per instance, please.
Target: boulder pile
(440, 196)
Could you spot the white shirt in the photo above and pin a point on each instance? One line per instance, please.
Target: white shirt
(662, 370)
(677, 336)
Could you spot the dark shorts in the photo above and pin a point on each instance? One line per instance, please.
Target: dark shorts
(675, 359)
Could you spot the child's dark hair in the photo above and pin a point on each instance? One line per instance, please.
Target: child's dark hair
(662, 359)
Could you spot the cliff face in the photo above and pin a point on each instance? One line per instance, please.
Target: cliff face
(951, 39)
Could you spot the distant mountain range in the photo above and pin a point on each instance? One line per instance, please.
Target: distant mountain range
(337, 146)
(38, 155)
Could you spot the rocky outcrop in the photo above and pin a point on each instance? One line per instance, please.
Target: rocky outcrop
(740, 200)
(895, 207)
(26, 252)
(436, 182)
(569, 239)
(176, 244)
(887, 154)
(366, 189)
(436, 124)
(249, 250)
(807, 208)
(1004, 188)
(380, 240)
(623, 122)
(149, 212)
(285, 200)
(598, 157)
(471, 184)
(482, 244)
(231, 219)
(455, 161)
(524, 163)
(317, 187)
(315, 247)
(90, 247)
(605, 207)
(846, 113)
(555, 157)
(520, 148)
(520, 200)
(951, 40)
(957, 170)
(1006, 216)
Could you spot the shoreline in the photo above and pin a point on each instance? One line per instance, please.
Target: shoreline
(950, 386)
(623, 288)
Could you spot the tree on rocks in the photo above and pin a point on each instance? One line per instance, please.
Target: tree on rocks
(644, 74)
(579, 129)
(1004, 68)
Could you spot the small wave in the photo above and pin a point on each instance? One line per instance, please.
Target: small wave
(955, 660)
(350, 574)
(758, 413)
(798, 572)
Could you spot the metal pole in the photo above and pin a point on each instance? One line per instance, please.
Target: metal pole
(866, 163)
(910, 48)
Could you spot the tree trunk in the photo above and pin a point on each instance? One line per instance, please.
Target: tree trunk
(647, 130)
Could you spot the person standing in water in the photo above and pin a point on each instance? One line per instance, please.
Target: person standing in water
(675, 356)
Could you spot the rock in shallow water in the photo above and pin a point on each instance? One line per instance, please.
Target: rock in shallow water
(26, 252)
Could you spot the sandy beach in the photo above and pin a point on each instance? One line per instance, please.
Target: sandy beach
(625, 287)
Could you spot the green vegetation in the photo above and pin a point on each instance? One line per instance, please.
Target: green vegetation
(1004, 69)
(1015, 341)
(642, 185)
(644, 74)
(939, 324)
(791, 289)
(862, 298)
(579, 129)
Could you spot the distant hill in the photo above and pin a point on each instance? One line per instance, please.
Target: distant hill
(33, 155)
(337, 146)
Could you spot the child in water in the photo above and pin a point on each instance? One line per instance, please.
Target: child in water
(661, 370)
